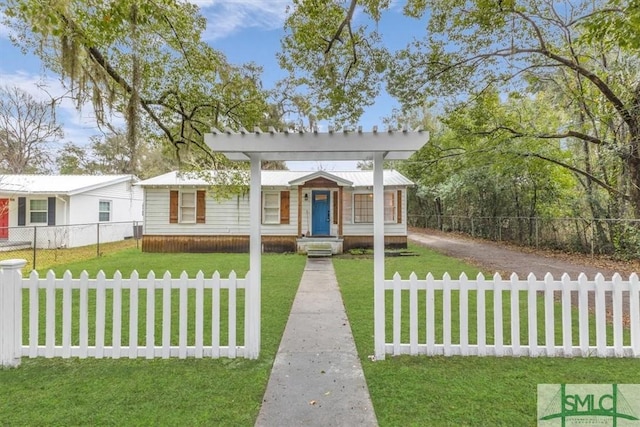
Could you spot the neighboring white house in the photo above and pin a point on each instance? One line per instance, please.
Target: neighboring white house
(183, 214)
(63, 210)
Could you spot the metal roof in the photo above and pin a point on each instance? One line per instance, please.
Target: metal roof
(58, 184)
(270, 178)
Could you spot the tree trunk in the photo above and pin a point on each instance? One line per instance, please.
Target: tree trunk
(634, 190)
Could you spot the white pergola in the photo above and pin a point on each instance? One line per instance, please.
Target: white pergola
(257, 146)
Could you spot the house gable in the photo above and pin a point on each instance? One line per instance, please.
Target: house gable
(321, 182)
(321, 179)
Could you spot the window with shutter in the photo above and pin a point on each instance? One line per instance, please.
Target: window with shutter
(284, 207)
(38, 212)
(22, 210)
(173, 206)
(188, 206)
(51, 211)
(271, 208)
(363, 207)
(201, 206)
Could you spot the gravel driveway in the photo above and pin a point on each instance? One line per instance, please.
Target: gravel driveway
(505, 260)
(494, 257)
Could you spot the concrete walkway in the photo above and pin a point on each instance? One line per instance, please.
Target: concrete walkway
(317, 379)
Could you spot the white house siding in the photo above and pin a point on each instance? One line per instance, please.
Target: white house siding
(290, 229)
(46, 236)
(126, 204)
(77, 215)
(349, 228)
(231, 216)
(228, 216)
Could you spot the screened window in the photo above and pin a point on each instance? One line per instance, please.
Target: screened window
(389, 207)
(38, 211)
(271, 208)
(188, 206)
(104, 211)
(363, 207)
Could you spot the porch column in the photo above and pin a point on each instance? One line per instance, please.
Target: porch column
(252, 296)
(340, 211)
(378, 257)
(299, 211)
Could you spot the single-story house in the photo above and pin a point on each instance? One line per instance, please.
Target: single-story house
(63, 210)
(185, 213)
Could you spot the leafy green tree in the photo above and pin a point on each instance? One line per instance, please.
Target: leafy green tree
(335, 63)
(145, 59)
(110, 154)
(468, 171)
(470, 47)
(616, 24)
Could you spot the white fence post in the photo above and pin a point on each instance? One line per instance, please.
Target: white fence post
(11, 312)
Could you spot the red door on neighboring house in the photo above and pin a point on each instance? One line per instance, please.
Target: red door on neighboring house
(4, 218)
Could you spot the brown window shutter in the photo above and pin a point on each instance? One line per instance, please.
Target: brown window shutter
(399, 203)
(201, 207)
(335, 207)
(173, 206)
(284, 207)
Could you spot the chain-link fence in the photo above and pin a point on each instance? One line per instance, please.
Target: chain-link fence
(45, 246)
(619, 237)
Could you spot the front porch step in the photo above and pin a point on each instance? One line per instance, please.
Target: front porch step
(318, 250)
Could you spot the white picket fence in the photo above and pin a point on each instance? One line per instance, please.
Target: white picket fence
(617, 333)
(74, 327)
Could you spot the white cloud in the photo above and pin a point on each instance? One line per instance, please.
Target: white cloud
(226, 17)
(78, 125)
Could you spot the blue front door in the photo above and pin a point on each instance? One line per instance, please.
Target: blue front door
(320, 222)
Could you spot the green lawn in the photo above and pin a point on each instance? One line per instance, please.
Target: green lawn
(155, 392)
(421, 390)
(405, 390)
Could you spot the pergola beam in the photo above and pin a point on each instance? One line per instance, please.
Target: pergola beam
(257, 146)
(393, 145)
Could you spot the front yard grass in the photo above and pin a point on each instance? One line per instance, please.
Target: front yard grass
(155, 392)
(434, 391)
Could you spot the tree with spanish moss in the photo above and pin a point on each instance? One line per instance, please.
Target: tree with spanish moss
(145, 60)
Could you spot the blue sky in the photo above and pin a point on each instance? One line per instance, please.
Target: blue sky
(244, 30)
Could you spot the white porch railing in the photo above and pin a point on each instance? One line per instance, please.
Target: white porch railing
(606, 314)
(69, 317)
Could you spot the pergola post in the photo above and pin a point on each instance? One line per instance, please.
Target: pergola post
(378, 257)
(346, 145)
(252, 293)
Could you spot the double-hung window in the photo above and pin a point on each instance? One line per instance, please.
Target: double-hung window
(104, 211)
(188, 206)
(389, 206)
(271, 208)
(363, 207)
(38, 211)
